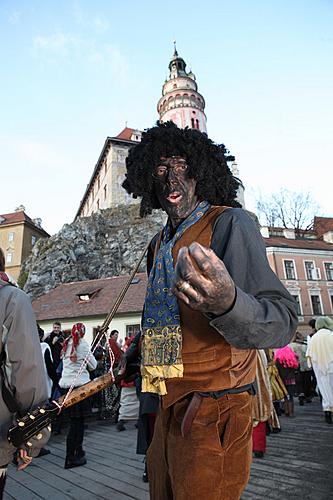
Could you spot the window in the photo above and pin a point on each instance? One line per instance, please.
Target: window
(316, 305)
(97, 204)
(9, 257)
(105, 190)
(192, 122)
(329, 271)
(105, 166)
(310, 270)
(297, 300)
(98, 182)
(33, 240)
(10, 236)
(197, 122)
(289, 269)
(132, 330)
(331, 297)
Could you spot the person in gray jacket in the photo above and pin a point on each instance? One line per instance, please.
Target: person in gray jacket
(22, 369)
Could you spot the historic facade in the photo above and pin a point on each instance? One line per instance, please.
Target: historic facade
(304, 264)
(18, 235)
(104, 189)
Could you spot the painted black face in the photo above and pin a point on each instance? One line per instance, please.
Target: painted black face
(174, 189)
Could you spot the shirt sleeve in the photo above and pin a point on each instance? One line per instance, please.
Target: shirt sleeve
(24, 355)
(264, 313)
(27, 376)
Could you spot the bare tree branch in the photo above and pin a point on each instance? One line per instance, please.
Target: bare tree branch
(287, 209)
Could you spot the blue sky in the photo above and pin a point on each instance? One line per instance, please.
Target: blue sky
(74, 72)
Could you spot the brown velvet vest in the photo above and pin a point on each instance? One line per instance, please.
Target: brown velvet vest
(210, 363)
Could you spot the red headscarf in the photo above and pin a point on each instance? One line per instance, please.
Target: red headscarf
(78, 331)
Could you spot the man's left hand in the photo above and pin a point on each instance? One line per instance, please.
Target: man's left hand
(202, 280)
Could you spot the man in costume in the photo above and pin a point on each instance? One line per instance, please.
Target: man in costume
(22, 376)
(212, 299)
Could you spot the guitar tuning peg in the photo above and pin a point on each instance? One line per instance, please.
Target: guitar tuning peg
(29, 444)
(21, 424)
(49, 428)
(32, 417)
(41, 410)
(39, 436)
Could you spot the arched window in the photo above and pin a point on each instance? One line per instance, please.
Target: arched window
(197, 123)
(192, 122)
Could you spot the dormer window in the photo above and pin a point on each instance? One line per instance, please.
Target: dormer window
(87, 296)
(84, 298)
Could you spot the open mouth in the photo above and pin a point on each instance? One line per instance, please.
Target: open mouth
(174, 197)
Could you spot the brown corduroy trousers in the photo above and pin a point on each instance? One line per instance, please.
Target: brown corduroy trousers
(213, 461)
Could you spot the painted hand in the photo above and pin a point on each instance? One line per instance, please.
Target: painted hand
(202, 280)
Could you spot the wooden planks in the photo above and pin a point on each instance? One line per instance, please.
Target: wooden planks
(298, 465)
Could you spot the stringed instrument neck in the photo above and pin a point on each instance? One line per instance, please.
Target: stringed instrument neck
(87, 390)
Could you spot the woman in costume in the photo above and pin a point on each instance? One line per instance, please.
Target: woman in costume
(287, 363)
(76, 351)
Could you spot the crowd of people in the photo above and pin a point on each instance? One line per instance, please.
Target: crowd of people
(217, 363)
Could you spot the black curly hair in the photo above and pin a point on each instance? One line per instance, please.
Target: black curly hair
(206, 160)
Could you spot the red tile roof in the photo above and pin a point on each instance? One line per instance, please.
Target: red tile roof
(125, 134)
(298, 243)
(64, 302)
(14, 218)
(322, 225)
(17, 217)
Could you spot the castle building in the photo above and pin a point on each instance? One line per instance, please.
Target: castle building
(104, 188)
(18, 235)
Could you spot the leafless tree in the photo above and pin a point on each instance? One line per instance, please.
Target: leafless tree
(287, 209)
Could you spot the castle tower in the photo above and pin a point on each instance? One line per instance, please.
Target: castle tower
(181, 101)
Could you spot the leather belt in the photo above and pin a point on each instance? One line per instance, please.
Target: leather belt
(196, 401)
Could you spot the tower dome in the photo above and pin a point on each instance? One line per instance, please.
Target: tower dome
(181, 101)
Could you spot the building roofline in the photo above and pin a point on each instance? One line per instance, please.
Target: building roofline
(108, 141)
(27, 221)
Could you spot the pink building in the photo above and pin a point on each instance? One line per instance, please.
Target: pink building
(303, 261)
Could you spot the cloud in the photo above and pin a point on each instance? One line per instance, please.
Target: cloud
(58, 43)
(100, 25)
(14, 17)
(95, 23)
(33, 155)
(70, 47)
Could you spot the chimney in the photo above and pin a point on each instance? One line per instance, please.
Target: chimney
(37, 222)
(264, 232)
(328, 237)
(289, 233)
(20, 208)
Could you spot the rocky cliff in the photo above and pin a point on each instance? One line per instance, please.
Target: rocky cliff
(106, 244)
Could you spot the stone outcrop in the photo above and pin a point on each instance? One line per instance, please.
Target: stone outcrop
(105, 244)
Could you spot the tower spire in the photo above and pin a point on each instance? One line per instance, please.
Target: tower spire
(175, 53)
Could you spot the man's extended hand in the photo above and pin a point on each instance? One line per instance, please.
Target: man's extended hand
(202, 280)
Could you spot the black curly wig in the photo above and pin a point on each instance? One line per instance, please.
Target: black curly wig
(206, 160)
